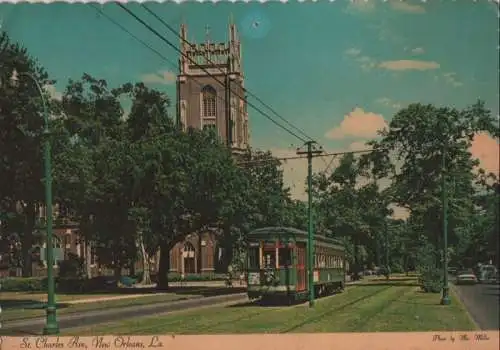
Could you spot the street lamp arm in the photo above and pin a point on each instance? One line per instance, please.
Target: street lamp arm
(41, 92)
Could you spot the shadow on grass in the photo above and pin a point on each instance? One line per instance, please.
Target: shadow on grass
(18, 333)
(15, 304)
(397, 283)
(188, 290)
(267, 303)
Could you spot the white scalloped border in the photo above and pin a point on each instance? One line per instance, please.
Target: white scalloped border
(204, 1)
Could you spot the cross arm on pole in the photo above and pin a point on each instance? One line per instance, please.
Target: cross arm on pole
(310, 149)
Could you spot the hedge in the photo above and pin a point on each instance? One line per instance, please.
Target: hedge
(39, 284)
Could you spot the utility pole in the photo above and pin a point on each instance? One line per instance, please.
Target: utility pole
(310, 151)
(445, 299)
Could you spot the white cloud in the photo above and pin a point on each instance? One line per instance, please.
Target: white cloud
(161, 77)
(451, 78)
(54, 94)
(409, 65)
(358, 123)
(388, 102)
(417, 51)
(352, 51)
(365, 62)
(357, 6)
(405, 6)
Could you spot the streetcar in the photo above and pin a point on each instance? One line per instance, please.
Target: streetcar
(277, 267)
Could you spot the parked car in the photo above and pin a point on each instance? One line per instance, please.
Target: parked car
(466, 277)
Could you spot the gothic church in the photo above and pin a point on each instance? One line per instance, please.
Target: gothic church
(215, 100)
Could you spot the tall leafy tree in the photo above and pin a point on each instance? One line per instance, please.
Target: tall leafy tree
(21, 140)
(417, 138)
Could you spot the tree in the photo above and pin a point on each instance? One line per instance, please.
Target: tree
(417, 138)
(87, 172)
(21, 136)
(349, 209)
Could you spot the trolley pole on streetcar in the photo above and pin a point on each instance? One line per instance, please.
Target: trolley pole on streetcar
(310, 151)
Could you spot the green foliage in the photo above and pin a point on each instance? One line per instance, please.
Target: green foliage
(22, 284)
(73, 267)
(430, 275)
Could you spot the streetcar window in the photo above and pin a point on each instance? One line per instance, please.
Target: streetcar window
(285, 257)
(341, 263)
(270, 259)
(253, 258)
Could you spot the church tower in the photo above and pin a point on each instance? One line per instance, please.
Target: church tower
(202, 101)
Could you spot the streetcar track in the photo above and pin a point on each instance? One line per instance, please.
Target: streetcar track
(329, 312)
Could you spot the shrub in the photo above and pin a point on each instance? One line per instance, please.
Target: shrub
(430, 276)
(431, 280)
(21, 284)
(73, 267)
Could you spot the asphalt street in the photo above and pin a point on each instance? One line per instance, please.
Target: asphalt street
(35, 326)
(481, 300)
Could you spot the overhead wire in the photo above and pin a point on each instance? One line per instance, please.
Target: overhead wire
(174, 65)
(146, 45)
(175, 32)
(169, 43)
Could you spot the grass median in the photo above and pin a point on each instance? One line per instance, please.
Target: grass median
(374, 306)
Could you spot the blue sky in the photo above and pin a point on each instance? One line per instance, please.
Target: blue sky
(314, 63)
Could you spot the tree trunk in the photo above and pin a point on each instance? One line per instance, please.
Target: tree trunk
(118, 272)
(27, 240)
(88, 259)
(146, 275)
(356, 260)
(227, 256)
(164, 267)
(132, 268)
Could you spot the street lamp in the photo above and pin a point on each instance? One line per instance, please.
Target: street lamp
(445, 299)
(51, 326)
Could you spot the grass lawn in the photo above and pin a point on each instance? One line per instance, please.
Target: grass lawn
(12, 314)
(373, 306)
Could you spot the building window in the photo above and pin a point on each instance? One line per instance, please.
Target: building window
(208, 100)
(208, 124)
(183, 112)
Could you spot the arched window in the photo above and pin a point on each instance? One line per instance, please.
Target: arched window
(188, 250)
(188, 247)
(208, 101)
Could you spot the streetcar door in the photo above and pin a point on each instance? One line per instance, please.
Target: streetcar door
(301, 267)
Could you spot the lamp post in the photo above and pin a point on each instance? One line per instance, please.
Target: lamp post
(445, 299)
(51, 326)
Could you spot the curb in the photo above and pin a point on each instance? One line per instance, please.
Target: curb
(459, 298)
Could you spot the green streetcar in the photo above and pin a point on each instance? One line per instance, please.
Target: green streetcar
(278, 268)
